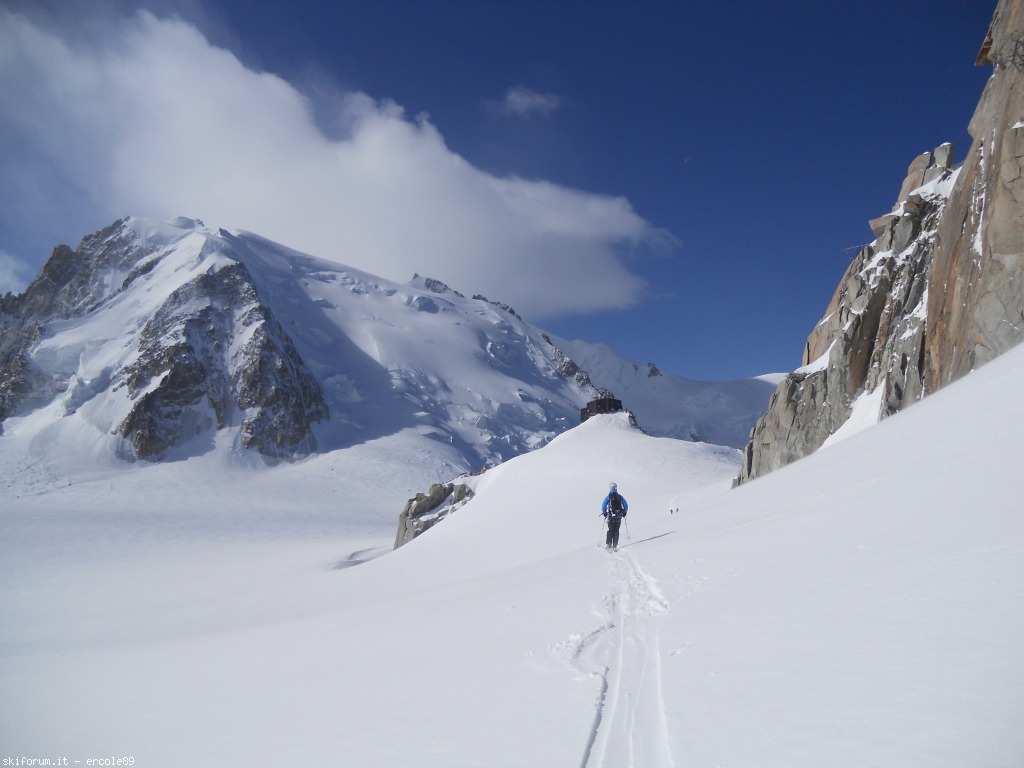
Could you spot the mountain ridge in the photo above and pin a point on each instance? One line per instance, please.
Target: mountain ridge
(160, 335)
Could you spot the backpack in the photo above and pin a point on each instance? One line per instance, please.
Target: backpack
(614, 505)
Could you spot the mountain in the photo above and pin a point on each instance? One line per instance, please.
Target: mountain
(816, 617)
(670, 406)
(938, 293)
(858, 607)
(162, 341)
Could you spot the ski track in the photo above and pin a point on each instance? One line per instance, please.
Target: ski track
(630, 727)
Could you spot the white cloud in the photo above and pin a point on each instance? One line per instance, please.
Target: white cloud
(155, 121)
(14, 274)
(522, 101)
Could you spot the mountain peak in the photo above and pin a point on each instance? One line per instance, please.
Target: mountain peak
(169, 339)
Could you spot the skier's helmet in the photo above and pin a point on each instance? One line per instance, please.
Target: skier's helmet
(613, 487)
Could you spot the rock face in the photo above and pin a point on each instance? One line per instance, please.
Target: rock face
(870, 341)
(975, 305)
(937, 293)
(217, 352)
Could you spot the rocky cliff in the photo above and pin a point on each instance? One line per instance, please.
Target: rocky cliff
(975, 301)
(937, 293)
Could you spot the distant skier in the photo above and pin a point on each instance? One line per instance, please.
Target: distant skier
(613, 508)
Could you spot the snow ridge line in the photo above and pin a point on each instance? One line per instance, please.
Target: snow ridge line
(630, 727)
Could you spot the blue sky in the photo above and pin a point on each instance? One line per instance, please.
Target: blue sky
(676, 180)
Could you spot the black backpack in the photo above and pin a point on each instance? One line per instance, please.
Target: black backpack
(614, 505)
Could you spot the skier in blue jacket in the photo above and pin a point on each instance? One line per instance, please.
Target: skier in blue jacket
(613, 508)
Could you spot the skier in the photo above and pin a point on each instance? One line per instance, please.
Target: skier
(613, 508)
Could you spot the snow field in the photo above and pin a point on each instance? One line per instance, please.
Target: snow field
(861, 607)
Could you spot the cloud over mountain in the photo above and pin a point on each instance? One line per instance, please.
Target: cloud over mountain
(152, 119)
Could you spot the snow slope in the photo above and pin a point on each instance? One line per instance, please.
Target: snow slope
(861, 607)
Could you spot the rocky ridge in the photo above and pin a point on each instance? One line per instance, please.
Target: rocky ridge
(218, 354)
(938, 292)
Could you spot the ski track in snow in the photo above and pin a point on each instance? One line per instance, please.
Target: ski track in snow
(630, 727)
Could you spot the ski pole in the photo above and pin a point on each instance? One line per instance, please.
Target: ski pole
(627, 527)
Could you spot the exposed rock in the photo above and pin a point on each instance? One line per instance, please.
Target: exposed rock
(69, 285)
(425, 510)
(872, 335)
(976, 302)
(881, 224)
(939, 292)
(943, 155)
(436, 286)
(915, 175)
(500, 305)
(569, 370)
(21, 384)
(205, 377)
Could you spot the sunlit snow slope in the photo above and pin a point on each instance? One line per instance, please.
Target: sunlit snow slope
(860, 607)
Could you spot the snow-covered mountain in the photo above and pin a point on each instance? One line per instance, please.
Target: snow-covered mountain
(183, 614)
(861, 607)
(168, 340)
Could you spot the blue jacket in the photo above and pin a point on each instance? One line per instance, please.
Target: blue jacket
(604, 506)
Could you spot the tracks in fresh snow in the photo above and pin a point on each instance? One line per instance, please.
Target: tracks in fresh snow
(630, 728)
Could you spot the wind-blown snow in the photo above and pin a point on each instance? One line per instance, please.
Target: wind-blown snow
(860, 607)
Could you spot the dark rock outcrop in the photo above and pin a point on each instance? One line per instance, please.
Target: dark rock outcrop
(216, 351)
